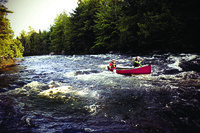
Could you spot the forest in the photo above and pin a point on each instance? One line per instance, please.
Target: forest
(100, 26)
(10, 48)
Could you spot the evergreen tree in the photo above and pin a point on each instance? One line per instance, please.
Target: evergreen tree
(106, 26)
(45, 42)
(99, 26)
(58, 34)
(9, 47)
(128, 26)
(82, 22)
(158, 25)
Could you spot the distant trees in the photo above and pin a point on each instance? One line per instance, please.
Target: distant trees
(35, 43)
(9, 48)
(99, 26)
(59, 35)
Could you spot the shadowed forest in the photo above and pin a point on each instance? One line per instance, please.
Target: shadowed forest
(100, 26)
(10, 48)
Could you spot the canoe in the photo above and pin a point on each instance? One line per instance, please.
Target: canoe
(132, 70)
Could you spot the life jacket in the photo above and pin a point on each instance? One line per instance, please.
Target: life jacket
(137, 64)
(113, 66)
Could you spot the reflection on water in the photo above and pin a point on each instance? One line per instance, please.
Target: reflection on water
(77, 94)
(8, 79)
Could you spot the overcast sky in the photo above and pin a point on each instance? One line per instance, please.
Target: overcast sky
(39, 14)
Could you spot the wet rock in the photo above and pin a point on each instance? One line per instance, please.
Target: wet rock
(191, 65)
(172, 71)
(52, 53)
(81, 73)
(111, 52)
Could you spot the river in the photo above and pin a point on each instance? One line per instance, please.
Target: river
(62, 93)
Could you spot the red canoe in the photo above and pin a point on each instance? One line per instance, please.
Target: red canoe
(139, 70)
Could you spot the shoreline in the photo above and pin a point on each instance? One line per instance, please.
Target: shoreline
(8, 63)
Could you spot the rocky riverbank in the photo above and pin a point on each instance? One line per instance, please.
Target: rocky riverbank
(6, 63)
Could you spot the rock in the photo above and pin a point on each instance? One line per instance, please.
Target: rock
(172, 71)
(111, 52)
(52, 53)
(191, 65)
(63, 52)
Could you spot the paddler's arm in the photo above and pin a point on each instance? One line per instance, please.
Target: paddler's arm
(140, 63)
(136, 62)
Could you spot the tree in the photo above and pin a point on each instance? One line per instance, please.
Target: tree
(106, 26)
(35, 43)
(82, 36)
(99, 26)
(59, 34)
(9, 47)
(45, 42)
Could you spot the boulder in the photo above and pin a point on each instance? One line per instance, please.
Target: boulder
(191, 65)
(171, 71)
(52, 53)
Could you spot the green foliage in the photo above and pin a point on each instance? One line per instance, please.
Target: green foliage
(158, 26)
(58, 36)
(99, 26)
(82, 36)
(35, 43)
(9, 47)
(106, 27)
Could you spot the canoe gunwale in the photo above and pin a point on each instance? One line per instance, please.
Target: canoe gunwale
(132, 70)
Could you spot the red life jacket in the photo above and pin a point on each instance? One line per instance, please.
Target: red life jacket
(113, 66)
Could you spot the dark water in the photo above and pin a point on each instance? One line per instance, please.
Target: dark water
(77, 94)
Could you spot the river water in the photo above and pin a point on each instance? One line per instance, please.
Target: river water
(77, 94)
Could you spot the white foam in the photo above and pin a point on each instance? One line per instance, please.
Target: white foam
(55, 93)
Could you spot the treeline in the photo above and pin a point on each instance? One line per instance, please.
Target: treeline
(99, 26)
(9, 48)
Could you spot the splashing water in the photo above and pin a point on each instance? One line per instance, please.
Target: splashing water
(77, 94)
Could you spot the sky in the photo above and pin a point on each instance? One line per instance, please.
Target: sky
(39, 14)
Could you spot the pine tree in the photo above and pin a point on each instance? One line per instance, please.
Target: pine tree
(82, 36)
(60, 33)
(9, 47)
(106, 27)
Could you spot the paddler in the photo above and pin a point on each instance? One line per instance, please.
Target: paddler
(137, 63)
(112, 65)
